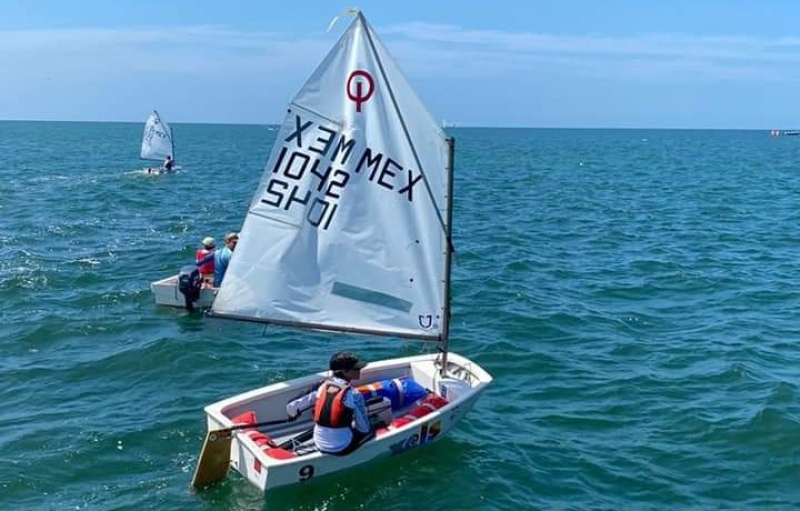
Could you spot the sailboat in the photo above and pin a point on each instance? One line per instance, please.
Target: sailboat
(349, 231)
(157, 141)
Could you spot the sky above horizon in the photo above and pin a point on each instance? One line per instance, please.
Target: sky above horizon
(582, 64)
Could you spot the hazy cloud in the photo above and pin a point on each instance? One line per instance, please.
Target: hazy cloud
(223, 65)
(424, 46)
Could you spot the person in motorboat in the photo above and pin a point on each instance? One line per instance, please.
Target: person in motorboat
(341, 420)
(168, 163)
(207, 269)
(221, 257)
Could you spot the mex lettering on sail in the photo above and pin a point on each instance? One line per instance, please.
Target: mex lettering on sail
(316, 163)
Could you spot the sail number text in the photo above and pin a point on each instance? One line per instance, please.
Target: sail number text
(317, 163)
(153, 132)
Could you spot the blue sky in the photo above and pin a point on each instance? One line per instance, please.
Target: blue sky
(555, 63)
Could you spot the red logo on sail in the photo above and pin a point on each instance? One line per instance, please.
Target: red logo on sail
(356, 83)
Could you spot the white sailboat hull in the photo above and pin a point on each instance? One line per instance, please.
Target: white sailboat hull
(268, 467)
(158, 170)
(166, 293)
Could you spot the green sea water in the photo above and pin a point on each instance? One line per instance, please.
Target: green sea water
(633, 293)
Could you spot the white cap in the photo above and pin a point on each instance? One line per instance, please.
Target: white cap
(208, 242)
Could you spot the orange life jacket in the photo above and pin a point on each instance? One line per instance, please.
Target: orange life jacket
(329, 410)
(207, 268)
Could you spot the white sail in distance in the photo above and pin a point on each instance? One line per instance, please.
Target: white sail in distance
(157, 139)
(346, 230)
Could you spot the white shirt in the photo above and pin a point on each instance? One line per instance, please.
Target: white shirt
(334, 439)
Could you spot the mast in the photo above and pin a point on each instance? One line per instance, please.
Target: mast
(445, 340)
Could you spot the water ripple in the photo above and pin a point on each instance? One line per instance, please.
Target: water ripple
(632, 292)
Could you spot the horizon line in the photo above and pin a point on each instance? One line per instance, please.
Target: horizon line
(459, 126)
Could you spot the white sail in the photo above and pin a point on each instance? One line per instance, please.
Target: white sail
(347, 230)
(157, 139)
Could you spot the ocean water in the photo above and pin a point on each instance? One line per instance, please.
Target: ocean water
(633, 292)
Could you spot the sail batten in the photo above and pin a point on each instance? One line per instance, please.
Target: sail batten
(347, 230)
(308, 111)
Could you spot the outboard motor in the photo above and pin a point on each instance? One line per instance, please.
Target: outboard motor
(189, 284)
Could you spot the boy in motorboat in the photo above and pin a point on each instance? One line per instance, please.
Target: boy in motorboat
(206, 269)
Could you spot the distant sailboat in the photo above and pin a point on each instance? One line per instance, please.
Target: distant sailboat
(158, 142)
(784, 133)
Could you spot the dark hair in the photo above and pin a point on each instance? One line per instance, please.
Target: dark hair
(345, 361)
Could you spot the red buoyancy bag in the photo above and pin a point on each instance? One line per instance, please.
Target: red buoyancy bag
(429, 404)
(262, 440)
